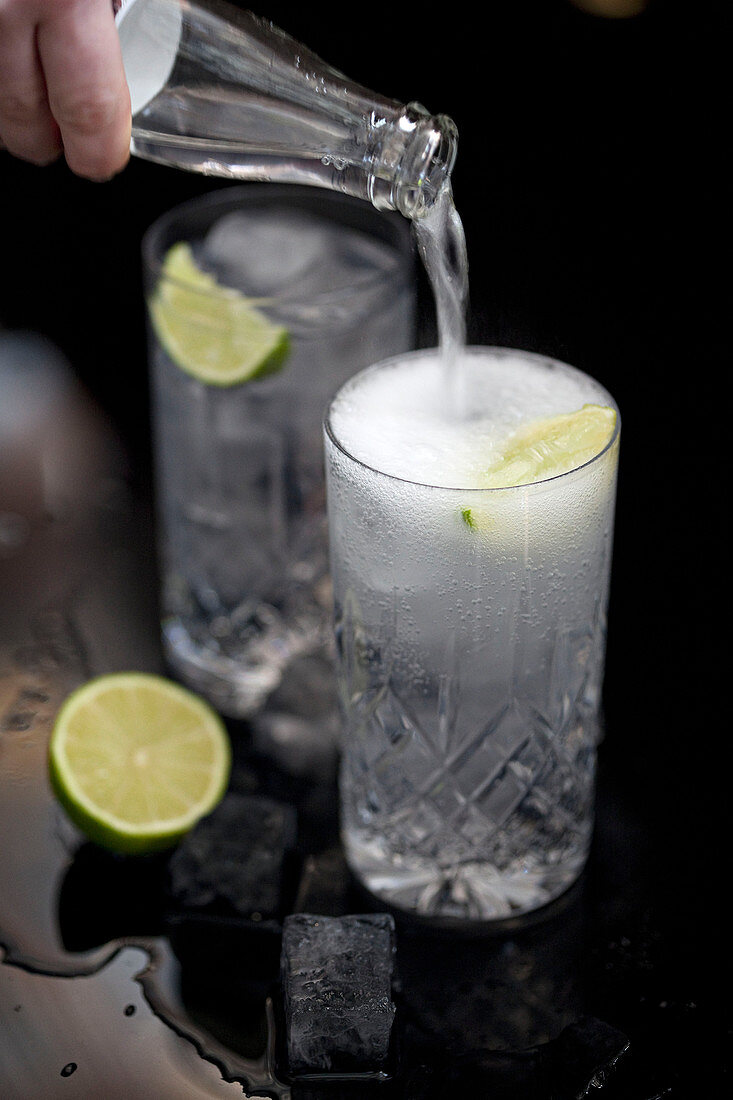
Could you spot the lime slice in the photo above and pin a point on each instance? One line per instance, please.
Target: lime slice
(135, 760)
(210, 331)
(550, 447)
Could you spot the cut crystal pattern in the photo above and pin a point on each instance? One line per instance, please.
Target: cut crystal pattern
(484, 823)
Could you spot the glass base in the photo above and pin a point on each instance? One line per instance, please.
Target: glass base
(282, 683)
(464, 892)
(238, 688)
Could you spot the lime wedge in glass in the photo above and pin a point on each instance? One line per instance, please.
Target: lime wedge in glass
(210, 331)
(135, 760)
(547, 448)
(543, 449)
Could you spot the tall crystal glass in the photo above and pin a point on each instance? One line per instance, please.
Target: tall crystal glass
(470, 627)
(240, 491)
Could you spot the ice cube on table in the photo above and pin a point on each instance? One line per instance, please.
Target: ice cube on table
(586, 1053)
(265, 252)
(336, 975)
(233, 862)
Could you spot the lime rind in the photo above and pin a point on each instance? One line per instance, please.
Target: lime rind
(211, 332)
(97, 821)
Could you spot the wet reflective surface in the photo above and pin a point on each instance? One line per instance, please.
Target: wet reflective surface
(117, 981)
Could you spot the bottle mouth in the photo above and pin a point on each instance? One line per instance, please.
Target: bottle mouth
(427, 162)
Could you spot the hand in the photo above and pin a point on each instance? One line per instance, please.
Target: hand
(62, 85)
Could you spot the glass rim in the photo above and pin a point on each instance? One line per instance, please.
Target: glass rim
(472, 350)
(254, 194)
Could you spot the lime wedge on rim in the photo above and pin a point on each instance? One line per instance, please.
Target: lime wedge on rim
(135, 760)
(210, 331)
(555, 445)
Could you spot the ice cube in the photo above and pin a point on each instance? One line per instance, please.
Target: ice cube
(234, 860)
(336, 975)
(363, 257)
(264, 252)
(349, 280)
(586, 1054)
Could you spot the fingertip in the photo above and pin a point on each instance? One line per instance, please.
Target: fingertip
(45, 160)
(41, 153)
(105, 176)
(88, 94)
(99, 160)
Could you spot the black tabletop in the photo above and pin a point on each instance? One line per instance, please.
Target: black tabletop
(589, 184)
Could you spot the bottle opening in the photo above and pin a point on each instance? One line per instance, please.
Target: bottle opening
(427, 162)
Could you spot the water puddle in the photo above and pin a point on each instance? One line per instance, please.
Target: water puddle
(101, 1034)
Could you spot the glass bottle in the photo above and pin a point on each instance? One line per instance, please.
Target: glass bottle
(220, 91)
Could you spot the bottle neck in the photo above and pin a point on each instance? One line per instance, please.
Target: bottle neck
(409, 159)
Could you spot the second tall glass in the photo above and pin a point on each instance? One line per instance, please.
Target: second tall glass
(238, 452)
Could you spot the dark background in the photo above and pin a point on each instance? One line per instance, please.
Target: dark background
(591, 184)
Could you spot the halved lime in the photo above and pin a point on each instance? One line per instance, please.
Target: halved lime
(135, 760)
(555, 445)
(210, 331)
